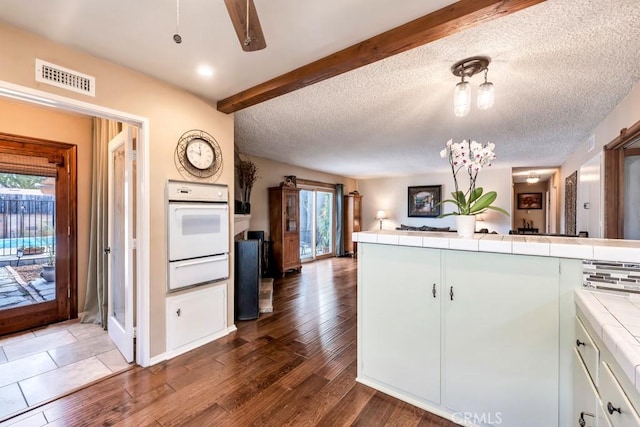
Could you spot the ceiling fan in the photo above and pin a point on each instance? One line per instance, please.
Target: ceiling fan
(245, 20)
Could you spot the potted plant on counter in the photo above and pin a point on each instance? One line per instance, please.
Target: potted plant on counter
(472, 157)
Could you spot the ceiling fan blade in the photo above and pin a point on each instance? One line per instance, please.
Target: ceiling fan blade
(238, 13)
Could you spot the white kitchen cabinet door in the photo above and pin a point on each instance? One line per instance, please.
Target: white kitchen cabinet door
(195, 315)
(617, 407)
(585, 397)
(501, 346)
(399, 319)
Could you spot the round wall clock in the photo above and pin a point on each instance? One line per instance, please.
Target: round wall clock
(198, 155)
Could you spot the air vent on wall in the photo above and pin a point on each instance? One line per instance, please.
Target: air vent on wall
(65, 78)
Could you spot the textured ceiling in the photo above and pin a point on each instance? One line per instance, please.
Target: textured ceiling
(558, 68)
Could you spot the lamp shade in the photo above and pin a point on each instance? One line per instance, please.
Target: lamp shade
(485, 96)
(462, 99)
(381, 215)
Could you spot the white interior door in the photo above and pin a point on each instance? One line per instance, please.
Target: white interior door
(120, 250)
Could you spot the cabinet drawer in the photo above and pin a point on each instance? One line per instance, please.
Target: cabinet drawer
(588, 351)
(617, 407)
(585, 397)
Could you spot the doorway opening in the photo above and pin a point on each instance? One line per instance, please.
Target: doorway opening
(141, 207)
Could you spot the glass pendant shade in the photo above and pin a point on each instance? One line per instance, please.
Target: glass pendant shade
(485, 95)
(462, 99)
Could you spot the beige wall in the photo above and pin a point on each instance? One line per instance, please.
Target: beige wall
(170, 111)
(38, 122)
(536, 216)
(390, 195)
(624, 115)
(271, 174)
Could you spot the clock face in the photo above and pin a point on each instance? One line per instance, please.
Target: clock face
(199, 153)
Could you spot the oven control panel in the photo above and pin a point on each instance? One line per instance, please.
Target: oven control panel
(196, 192)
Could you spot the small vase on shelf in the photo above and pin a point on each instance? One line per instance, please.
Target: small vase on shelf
(466, 225)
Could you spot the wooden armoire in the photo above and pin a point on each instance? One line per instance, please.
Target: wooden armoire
(284, 226)
(352, 221)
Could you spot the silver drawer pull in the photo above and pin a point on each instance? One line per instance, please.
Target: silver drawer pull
(612, 409)
(581, 420)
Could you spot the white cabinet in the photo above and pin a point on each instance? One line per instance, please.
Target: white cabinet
(596, 390)
(399, 320)
(501, 337)
(588, 351)
(195, 317)
(586, 405)
(484, 349)
(618, 409)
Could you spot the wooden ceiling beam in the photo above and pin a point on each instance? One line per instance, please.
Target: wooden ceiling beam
(444, 22)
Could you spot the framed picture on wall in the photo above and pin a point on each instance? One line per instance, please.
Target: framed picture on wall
(529, 200)
(423, 201)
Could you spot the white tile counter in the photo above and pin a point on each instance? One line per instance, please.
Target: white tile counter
(561, 247)
(615, 318)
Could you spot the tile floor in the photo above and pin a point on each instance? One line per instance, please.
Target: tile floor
(45, 363)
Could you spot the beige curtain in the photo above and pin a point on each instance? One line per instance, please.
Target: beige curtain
(95, 306)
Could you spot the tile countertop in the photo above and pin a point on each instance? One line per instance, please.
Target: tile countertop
(562, 247)
(616, 320)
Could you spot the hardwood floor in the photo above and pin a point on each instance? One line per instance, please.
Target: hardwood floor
(295, 366)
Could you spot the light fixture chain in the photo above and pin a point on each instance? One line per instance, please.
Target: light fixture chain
(177, 16)
(247, 40)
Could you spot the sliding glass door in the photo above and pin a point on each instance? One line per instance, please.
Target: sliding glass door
(316, 223)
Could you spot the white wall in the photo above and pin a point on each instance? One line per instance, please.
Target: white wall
(589, 209)
(624, 115)
(390, 195)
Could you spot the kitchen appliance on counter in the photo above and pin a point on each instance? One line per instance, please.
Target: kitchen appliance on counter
(198, 233)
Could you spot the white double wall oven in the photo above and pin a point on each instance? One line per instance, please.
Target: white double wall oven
(198, 234)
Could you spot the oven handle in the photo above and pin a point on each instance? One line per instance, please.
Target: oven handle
(202, 261)
(203, 206)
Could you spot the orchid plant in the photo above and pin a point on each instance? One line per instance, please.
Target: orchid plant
(472, 157)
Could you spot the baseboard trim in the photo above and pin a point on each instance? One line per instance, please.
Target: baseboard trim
(191, 346)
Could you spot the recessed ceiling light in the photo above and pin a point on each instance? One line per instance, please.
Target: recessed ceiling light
(205, 71)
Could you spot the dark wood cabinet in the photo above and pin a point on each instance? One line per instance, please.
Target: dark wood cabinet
(284, 226)
(352, 221)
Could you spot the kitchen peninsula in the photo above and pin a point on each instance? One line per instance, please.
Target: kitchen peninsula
(480, 331)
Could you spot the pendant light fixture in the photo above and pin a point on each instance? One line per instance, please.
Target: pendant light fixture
(462, 93)
(533, 178)
(485, 93)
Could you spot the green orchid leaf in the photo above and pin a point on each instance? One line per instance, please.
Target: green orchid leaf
(483, 202)
(475, 194)
(495, 208)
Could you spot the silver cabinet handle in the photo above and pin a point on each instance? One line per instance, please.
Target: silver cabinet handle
(581, 420)
(611, 409)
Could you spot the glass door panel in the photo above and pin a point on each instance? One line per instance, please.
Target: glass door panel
(306, 224)
(324, 223)
(27, 239)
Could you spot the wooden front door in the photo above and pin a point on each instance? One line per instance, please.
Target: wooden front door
(31, 234)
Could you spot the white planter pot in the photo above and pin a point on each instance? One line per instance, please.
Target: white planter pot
(466, 225)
